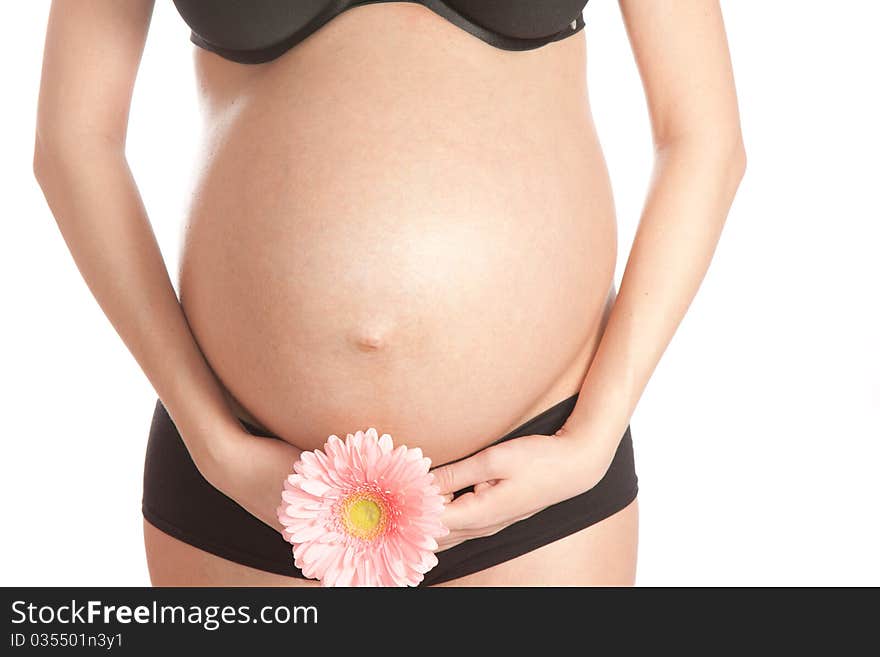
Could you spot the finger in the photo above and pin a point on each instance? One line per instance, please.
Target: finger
(459, 519)
(456, 538)
(483, 485)
(447, 498)
(472, 511)
(447, 543)
(461, 474)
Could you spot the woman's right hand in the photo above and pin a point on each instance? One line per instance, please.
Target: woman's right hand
(251, 470)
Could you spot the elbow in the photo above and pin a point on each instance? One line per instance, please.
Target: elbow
(721, 151)
(62, 155)
(55, 162)
(736, 158)
(39, 162)
(47, 156)
(727, 157)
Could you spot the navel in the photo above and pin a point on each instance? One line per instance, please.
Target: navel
(372, 337)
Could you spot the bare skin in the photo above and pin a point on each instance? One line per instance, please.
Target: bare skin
(417, 257)
(419, 239)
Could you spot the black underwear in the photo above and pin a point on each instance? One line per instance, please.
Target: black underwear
(180, 502)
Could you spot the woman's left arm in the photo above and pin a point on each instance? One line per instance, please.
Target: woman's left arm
(682, 56)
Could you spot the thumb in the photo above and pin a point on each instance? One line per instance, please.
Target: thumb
(455, 476)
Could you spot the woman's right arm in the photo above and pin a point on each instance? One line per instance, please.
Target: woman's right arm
(92, 53)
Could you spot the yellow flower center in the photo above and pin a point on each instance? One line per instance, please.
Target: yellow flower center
(362, 516)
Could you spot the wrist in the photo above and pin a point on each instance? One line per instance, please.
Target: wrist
(211, 444)
(587, 451)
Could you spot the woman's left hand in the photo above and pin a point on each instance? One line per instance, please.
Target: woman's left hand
(514, 480)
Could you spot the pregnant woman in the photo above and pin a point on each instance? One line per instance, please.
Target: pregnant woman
(402, 219)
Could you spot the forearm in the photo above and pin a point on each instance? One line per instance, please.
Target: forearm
(691, 192)
(98, 209)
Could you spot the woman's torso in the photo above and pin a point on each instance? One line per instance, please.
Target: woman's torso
(397, 225)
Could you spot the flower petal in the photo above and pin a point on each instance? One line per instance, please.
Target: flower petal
(315, 487)
(347, 568)
(306, 533)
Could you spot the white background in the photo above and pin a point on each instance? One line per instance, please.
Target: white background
(757, 438)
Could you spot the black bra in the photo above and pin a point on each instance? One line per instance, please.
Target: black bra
(256, 31)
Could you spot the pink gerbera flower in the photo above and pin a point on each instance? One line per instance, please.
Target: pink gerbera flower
(362, 513)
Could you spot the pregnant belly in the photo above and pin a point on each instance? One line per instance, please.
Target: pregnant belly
(439, 283)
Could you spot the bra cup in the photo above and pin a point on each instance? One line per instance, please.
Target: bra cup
(248, 24)
(258, 31)
(523, 19)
